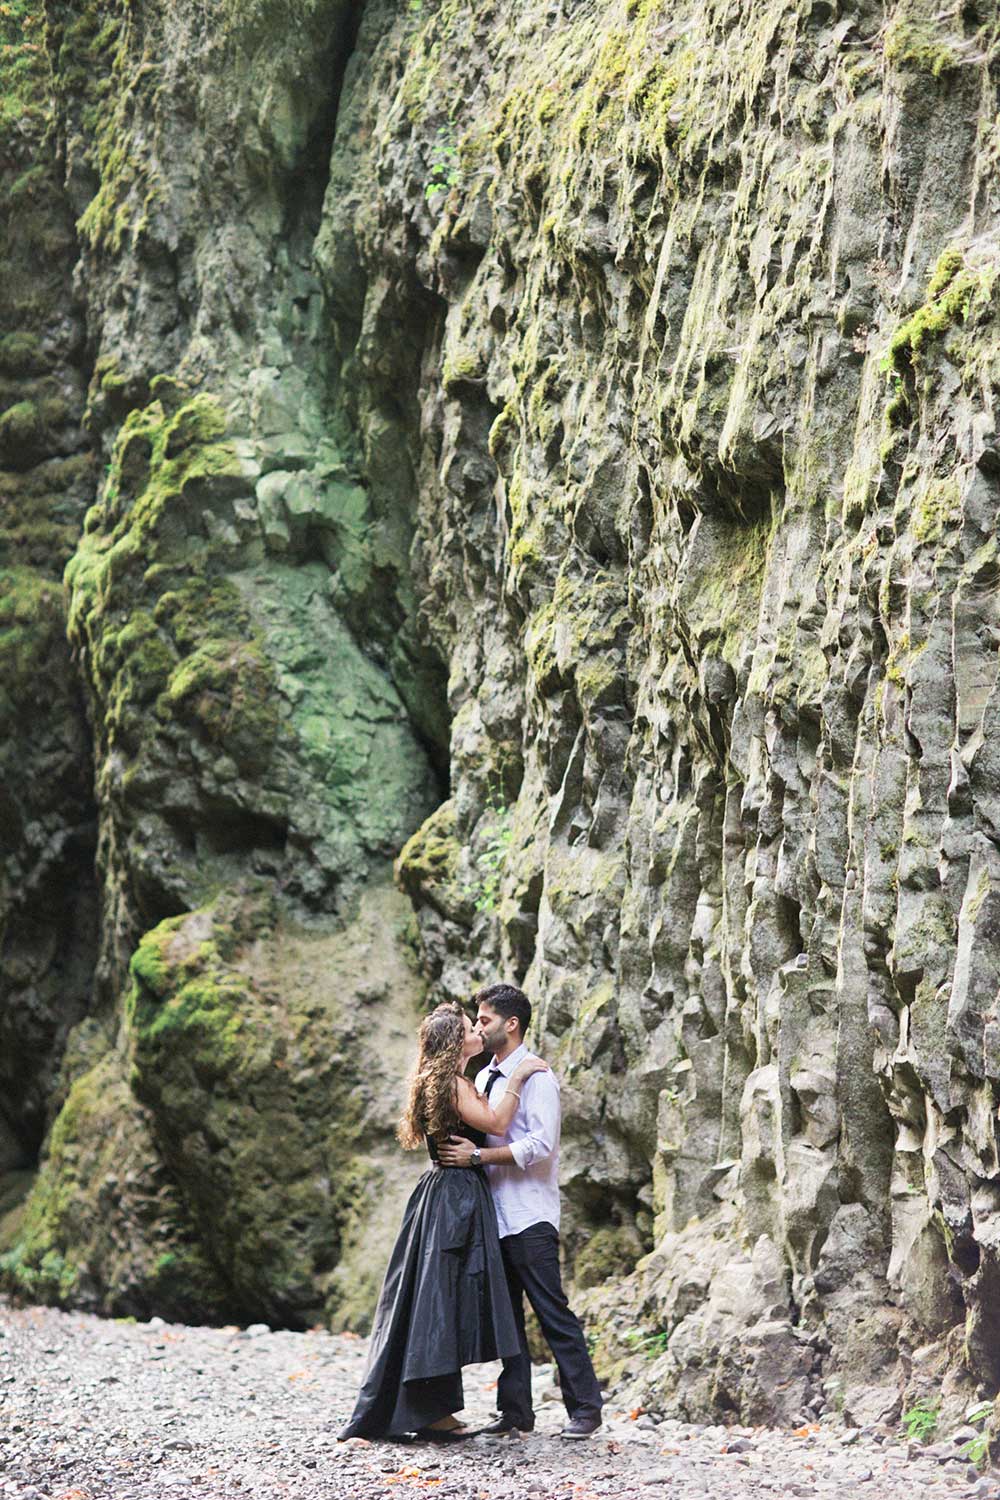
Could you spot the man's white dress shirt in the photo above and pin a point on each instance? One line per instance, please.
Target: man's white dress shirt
(526, 1190)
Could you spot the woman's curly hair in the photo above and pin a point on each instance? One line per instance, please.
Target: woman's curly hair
(431, 1108)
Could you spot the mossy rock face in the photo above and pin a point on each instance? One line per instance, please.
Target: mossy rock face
(263, 1071)
(48, 891)
(609, 1254)
(237, 721)
(103, 1228)
(636, 436)
(48, 899)
(707, 533)
(252, 709)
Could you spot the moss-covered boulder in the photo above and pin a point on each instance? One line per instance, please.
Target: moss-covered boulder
(235, 1157)
(104, 1228)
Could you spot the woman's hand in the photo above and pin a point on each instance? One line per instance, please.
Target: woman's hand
(525, 1069)
(476, 1110)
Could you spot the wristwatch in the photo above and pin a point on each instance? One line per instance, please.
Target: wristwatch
(476, 1158)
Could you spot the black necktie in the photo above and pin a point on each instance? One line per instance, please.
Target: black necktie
(495, 1073)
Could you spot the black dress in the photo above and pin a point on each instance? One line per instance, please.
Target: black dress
(444, 1304)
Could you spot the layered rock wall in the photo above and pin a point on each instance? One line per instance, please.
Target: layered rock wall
(560, 441)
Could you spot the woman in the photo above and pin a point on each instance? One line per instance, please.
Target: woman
(444, 1302)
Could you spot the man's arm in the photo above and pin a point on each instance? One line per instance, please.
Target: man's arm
(541, 1109)
(457, 1152)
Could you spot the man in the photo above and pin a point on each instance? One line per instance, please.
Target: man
(523, 1169)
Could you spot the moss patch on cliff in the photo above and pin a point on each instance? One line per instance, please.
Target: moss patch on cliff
(25, 107)
(247, 1045)
(955, 289)
(171, 656)
(429, 867)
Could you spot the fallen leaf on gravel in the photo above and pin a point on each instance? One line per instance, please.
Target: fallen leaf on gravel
(410, 1476)
(634, 1416)
(74, 1495)
(806, 1430)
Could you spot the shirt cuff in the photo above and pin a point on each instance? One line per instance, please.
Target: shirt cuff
(522, 1153)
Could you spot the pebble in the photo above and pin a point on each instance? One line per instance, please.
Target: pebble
(102, 1410)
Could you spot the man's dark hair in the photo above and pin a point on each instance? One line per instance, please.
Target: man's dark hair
(507, 1000)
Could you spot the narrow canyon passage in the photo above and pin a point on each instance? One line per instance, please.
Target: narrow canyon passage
(508, 490)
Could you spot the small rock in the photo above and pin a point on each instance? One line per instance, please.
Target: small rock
(850, 1436)
(257, 1330)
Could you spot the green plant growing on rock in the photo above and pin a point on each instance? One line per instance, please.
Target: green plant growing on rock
(977, 1449)
(649, 1344)
(493, 859)
(443, 173)
(920, 1421)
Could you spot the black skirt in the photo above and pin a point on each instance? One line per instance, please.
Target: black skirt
(444, 1304)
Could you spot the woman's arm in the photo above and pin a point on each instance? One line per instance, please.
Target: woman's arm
(477, 1111)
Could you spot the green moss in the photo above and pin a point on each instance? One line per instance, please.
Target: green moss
(957, 292)
(242, 1044)
(25, 80)
(460, 366)
(949, 263)
(21, 354)
(227, 689)
(609, 1252)
(938, 508)
(194, 652)
(428, 863)
(104, 74)
(32, 625)
(21, 432)
(101, 1213)
(917, 45)
(898, 412)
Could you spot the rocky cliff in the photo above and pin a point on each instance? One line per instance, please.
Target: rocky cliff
(553, 448)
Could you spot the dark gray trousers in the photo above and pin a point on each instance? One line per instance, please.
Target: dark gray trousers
(531, 1260)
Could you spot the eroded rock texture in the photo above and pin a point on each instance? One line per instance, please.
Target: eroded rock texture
(706, 531)
(559, 439)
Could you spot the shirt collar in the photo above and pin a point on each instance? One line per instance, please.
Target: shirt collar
(511, 1061)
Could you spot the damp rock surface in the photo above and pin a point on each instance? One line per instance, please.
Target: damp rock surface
(102, 1410)
(549, 451)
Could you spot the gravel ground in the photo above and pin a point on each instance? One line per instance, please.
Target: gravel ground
(96, 1410)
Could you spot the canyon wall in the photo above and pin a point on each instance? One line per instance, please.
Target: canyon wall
(541, 483)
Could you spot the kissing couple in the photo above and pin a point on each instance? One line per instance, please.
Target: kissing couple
(479, 1234)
